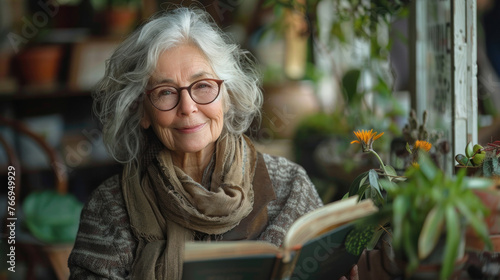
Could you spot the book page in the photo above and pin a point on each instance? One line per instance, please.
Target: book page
(227, 249)
(325, 219)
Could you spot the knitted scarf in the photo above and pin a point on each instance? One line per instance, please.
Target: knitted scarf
(166, 207)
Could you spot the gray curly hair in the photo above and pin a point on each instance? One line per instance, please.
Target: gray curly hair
(118, 94)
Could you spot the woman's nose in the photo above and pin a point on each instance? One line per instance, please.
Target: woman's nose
(186, 103)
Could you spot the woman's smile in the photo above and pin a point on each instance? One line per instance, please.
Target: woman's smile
(191, 128)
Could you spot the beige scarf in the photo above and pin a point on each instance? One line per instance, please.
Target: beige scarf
(166, 207)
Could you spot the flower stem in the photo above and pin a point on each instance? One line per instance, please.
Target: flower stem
(379, 159)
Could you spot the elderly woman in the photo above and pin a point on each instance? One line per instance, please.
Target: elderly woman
(174, 103)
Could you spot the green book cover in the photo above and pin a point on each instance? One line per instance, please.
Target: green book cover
(325, 257)
(239, 268)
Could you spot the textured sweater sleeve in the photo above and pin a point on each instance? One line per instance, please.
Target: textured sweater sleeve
(295, 196)
(104, 245)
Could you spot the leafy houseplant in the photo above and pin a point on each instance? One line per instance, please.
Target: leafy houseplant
(428, 215)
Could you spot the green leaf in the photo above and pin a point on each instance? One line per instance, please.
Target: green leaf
(358, 238)
(375, 192)
(387, 185)
(350, 84)
(459, 179)
(368, 191)
(378, 198)
(496, 166)
(477, 222)
(376, 237)
(382, 88)
(373, 178)
(488, 167)
(355, 185)
(461, 159)
(346, 195)
(469, 152)
(391, 171)
(431, 231)
(408, 148)
(400, 207)
(364, 191)
(409, 246)
(427, 167)
(452, 241)
(478, 183)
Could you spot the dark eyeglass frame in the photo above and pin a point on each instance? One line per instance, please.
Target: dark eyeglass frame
(188, 88)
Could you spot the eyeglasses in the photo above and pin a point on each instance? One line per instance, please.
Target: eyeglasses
(166, 97)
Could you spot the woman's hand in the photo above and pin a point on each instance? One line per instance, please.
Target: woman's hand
(353, 275)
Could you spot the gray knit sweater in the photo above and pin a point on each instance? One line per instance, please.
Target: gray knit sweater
(105, 245)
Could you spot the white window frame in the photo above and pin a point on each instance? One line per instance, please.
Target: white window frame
(462, 117)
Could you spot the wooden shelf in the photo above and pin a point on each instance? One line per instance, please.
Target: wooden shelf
(43, 94)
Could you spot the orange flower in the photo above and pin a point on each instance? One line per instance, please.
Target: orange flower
(366, 138)
(422, 145)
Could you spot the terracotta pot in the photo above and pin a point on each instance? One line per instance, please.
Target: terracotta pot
(120, 20)
(491, 200)
(432, 271)
(40, 65)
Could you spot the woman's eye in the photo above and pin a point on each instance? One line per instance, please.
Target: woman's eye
(202, 86)
(166, 91)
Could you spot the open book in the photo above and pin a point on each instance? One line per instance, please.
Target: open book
(313, 248)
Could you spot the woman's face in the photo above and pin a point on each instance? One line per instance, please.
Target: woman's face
(189, 127)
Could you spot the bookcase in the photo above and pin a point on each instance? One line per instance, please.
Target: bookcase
(56, 103)
(64, 119)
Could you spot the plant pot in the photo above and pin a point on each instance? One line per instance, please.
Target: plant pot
(432, 271)
(472, 171)
(39, 66)
(431, 266)
(491, 200)
(120, 20)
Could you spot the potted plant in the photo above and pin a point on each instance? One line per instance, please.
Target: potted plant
(122, 15)
(39, 65)
(426, 213)
(429, 214)
(119, 16)
(471, 160)
(486, 160)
